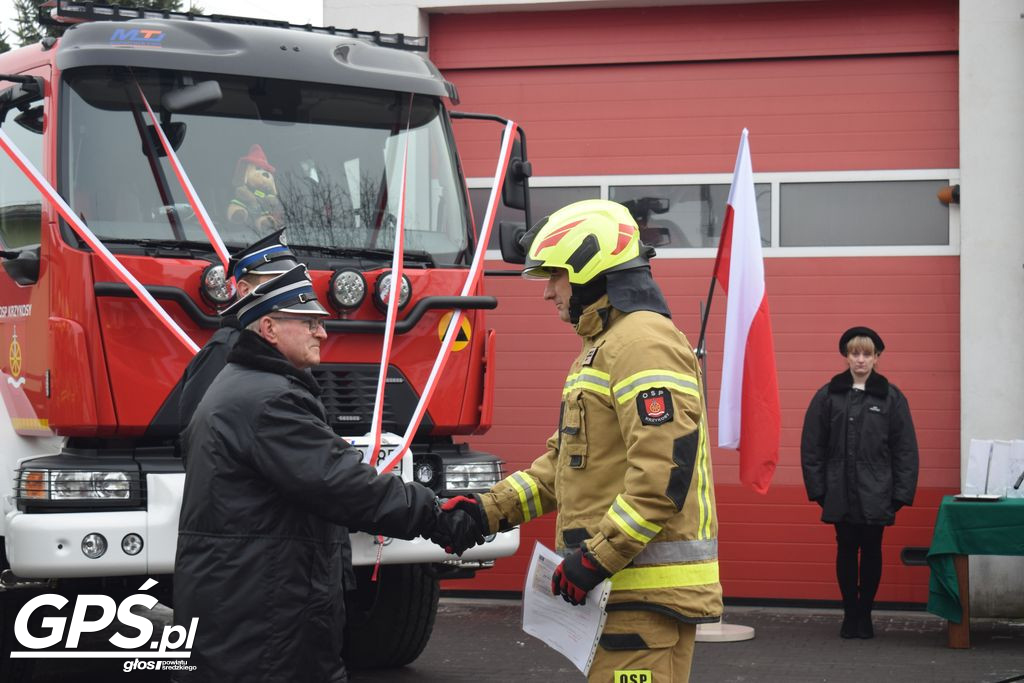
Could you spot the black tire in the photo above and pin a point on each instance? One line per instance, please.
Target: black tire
(390, 620)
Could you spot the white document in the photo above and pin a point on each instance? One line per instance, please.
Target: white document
(1016, 470)
(976, 480)
(999, 468)
(572, 630)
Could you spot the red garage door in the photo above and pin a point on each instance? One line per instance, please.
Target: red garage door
(823, 87)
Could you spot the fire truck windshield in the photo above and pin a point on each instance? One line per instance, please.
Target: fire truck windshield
(325, 161)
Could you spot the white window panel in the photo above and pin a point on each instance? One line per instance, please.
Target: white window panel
(611, 186)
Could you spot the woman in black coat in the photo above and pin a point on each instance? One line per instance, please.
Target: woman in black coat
(859, 458)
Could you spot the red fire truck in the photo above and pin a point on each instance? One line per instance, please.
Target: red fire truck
(91, 479)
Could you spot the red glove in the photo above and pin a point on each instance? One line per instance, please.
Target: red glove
(575, 577)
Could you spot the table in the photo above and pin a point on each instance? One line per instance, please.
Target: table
(965, 528)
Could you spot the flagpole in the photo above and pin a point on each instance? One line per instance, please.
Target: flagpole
(701, 350)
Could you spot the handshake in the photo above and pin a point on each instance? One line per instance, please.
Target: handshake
(459, 525)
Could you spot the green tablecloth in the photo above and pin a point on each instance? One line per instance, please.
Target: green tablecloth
(969, 528)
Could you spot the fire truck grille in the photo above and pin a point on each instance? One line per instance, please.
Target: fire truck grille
(348, 394)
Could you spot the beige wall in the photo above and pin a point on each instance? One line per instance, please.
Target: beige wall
(992, 256)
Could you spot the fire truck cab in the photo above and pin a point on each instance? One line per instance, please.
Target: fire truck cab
(90, 472)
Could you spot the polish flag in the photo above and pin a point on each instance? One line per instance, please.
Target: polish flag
(749, 418)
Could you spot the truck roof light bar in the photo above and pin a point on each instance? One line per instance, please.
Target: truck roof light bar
(66, 12)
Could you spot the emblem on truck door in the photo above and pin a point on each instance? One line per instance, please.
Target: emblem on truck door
(14, 357)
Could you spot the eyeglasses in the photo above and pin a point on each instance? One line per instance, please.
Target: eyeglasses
(312, 324)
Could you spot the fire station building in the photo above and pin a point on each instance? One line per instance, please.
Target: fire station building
(859, 114)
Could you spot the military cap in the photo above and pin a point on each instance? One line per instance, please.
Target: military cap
(291, 292)
(267, 256)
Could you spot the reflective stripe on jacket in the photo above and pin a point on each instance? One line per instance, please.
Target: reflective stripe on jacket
(629, 469)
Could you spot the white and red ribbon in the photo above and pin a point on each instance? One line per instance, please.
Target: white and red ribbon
(190, 191)
(395, 293)
(472, 280)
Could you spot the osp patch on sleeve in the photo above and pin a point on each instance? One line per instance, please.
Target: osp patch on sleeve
(654, 406)
(632, 676)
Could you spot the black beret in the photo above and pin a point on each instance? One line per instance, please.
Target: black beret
(860, 332)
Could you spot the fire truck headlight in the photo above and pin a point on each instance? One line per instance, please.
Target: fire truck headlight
(131, 544)
(64, 487)
(76, 484)
(215, 287)
(347, 289)
(382, 291)
(94, 545)
(472, 476)
(112, 485)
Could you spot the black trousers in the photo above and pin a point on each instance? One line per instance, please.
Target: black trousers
(858, 581)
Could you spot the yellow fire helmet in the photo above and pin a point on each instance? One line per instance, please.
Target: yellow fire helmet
(587, 239)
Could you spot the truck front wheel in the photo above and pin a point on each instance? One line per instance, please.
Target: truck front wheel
(389, 620)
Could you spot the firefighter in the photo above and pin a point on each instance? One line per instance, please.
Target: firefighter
(628, 469)
(268, 488)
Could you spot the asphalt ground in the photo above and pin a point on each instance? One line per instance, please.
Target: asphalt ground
(482, 640)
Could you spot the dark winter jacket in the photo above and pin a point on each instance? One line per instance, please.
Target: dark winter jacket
(176, 411)
(859, 451)
(259, 544)
(204, 368)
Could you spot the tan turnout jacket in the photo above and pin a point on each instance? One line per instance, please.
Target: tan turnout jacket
(628, 469)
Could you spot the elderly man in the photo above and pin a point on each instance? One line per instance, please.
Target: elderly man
(268, 485)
